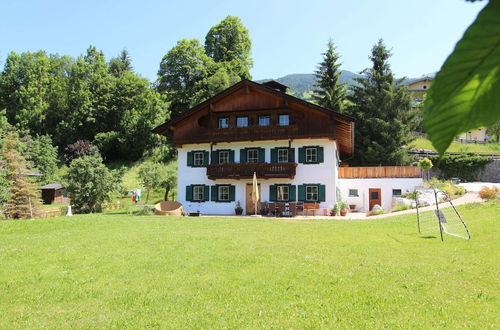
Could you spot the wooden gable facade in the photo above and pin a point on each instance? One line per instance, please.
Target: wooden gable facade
(250, 99)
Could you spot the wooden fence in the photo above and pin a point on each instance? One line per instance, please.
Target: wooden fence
(379, 172)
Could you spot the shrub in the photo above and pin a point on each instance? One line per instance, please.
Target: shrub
(90, 183)
(79, 149)
(466, 166)
(401, 207)
(448, 187)
(489, 193)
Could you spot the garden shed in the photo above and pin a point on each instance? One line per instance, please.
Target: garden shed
(53, 193)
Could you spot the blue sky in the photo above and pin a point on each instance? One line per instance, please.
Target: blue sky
(288, 36)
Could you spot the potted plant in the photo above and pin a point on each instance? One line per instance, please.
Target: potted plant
(343, 208)
(238, 210)
(334, 210)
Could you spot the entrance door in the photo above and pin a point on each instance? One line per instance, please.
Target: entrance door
(375, 197)
(250, 209)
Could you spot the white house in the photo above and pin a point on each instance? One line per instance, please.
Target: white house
(294, 147)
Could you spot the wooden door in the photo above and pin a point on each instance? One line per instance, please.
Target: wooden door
(249, 206)
(375, 196)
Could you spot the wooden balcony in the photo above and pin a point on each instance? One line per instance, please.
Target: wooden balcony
(245, 171)
(251, 133)
(379, 172)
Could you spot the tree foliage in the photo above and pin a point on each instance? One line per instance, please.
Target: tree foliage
(464, 95)
(79, 149)
(23, 194)
(383, 114)
(90, 184)
(73, 99)
(229, 43)
(329, 92)
(43, 155)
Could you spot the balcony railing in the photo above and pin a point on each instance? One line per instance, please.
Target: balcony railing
(245, 171)
(251, 133)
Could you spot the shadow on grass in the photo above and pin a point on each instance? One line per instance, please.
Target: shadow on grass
(428, 237)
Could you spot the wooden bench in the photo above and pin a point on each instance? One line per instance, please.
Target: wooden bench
(311, 207)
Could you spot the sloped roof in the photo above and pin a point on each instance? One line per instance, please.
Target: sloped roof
(162, 129)
(55, 186)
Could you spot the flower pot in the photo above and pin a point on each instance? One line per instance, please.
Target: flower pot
(343, 212)
(333, 213)
(238, 211)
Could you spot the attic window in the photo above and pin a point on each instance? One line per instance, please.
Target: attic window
(264, 120)
(224, 122)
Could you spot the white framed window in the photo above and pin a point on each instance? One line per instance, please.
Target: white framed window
(311, 155)
(396, 192)
(282, 155)
(223, 193)
(241, 121)
(312, 193)
(198, 158)
(198, 193)
(283, 193)
(252, 155)
(284, 120)
(223, 156)
(353, 193)
(264, 120)
(224, 122)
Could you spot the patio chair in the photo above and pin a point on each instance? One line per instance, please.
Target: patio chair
(272, 208)
(280, 209)
(299, 208)
(293, 209)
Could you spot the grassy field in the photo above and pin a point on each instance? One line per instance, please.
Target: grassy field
(119, 271)
(487, 148)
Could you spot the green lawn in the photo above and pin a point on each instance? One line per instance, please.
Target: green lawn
(119, 271)
(487, 148)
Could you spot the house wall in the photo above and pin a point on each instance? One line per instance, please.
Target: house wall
(323, 173)
(385, 184)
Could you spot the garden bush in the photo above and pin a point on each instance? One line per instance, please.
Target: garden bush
(489, 193)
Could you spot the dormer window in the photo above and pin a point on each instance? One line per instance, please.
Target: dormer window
(284, 120)
(224, 122)
(264, 120)
(241, 121)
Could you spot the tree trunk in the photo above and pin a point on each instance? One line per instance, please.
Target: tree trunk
(167, 191)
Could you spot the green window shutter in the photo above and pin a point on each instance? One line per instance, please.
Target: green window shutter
(206, 193)
(231, 156)
(190, 158)
(274, 155)
(292, 194)
(215, 157)
(302, 155)
(214, 196)
(321, 157)
(189, 193)
(243, 156)
(262, 155)
(273, 195)
(291, 155)
(232, 193)
(205, 157)
(322, 193)
(301, 196)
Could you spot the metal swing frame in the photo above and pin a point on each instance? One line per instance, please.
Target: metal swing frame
(441, 229)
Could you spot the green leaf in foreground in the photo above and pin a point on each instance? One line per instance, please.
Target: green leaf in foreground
(466, 92)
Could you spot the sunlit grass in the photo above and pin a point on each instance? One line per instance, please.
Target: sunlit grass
(486, 148)
(135, 272)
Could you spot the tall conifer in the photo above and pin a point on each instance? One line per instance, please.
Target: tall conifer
(330, 92)
(383, 114)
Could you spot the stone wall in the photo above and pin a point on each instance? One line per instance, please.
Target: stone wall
(491, 172)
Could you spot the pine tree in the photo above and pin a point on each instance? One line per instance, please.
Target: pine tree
(23, 193)
(329, 92)
(383, 114)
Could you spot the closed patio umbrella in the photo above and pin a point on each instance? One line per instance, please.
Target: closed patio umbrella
(255, 192)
